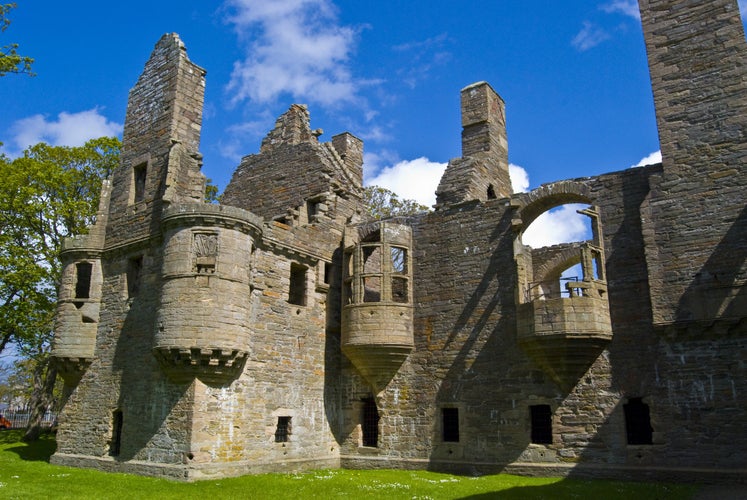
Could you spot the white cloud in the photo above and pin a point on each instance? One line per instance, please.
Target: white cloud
(519, 178)
(424, 56)
(626, 7)
(418, 179)
(411, 179)
(589, 36)
(560, 225)
(296, 47)
(651, 159)
(69, 129)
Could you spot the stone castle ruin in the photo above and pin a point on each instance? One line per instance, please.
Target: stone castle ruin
(280, 330)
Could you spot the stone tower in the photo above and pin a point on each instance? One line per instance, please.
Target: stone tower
(698, 63)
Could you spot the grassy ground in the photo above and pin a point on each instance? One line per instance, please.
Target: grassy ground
(25, 472)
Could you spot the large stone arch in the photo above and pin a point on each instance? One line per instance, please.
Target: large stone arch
(552, 268)
(548, 196)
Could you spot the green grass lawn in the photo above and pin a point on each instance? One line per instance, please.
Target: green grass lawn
(25, 472)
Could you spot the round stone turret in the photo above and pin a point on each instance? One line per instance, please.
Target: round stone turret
(204, 325)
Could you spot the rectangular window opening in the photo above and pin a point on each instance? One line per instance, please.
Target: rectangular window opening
(399, 260)
(312, 210)
(541, 416)
(372, 289)
(370, 423)
(83, 280)
(297, 291)
(450, 427)
(283, 430)
(327, 273)
(638, 422)
(371, 259)
(139, 173)
(116, 443)
(399, 290)
(134, 272)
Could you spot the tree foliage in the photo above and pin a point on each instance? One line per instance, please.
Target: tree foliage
(382, 203)
(10, 60)
(48, 194)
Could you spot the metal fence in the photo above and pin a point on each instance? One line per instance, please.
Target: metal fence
(19, 420)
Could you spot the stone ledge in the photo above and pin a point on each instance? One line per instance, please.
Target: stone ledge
(188, 472)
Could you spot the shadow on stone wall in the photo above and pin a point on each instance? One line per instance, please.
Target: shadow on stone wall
(333, 353)
(146, 397)
(486, 366)
(718, 291)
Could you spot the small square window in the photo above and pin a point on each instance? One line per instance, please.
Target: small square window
(283, 430)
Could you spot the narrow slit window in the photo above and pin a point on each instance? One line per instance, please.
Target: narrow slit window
(139, 175)
(116, 443)
(450, 424)
(638, 422)
(327, 273)
(283, 430)
(134, 275)
(312, 210)
(297, 291)
(370, 423)
(541, 416)
(83, 280)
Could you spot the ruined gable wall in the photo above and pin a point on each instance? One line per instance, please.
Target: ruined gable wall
(294, 167)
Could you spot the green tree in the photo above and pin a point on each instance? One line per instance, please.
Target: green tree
(211, 192)
(382, 203)
(10, 60)
(48, 194)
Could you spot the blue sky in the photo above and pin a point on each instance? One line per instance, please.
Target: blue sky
(573, 75)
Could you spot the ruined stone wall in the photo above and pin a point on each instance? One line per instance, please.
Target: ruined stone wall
(294, 172)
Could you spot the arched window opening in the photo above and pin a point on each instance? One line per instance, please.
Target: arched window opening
(561, 254)
(562, 224)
